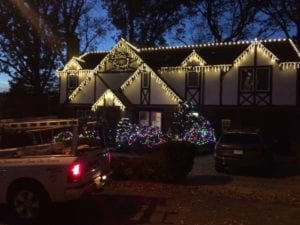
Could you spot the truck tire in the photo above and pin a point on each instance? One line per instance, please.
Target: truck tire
(28, 201)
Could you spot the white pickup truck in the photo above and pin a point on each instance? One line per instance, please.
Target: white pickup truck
(33, 176)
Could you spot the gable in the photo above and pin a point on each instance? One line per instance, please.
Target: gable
(73, 64)
(108, 98)
(193, 60)
(131, 87)
(122, 58)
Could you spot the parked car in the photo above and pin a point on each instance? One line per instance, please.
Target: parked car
(242, 148)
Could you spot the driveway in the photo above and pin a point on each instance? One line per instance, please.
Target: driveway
(206, 198)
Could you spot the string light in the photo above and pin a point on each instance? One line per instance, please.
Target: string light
(108, 98)
(145, 68)
(192, 58)
(288, 65)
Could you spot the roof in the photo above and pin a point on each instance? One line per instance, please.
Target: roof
(90, 60)
(212, 53)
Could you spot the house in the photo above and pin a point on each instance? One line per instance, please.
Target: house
(233, 84)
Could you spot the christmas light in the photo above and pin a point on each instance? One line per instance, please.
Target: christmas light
(108, 98)
(123, 132)
(193, 57)
(148, 136)
(145, 68)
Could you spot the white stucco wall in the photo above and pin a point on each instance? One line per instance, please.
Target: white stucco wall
(86, 95)
(159, 95)
(284, 86)
(100, 88)
(283, 81)
(212, 87)
(115, 80)
(132, 92)
(175, 79)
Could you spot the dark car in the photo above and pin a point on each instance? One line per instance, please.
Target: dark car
(242, 148)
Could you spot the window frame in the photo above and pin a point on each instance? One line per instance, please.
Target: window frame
(149, 118)
(72, 75)
(188, 83)
(255, 78)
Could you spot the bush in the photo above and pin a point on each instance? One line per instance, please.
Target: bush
(171, 161)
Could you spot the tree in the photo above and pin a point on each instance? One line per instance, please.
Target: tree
(33, 41)
(191, 127)
(221, 20)
(145, 22)
(282, 15)
(123, 132)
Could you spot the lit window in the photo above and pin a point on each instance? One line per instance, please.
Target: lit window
(150, 119)
(193, 79)
(156, 119)
(144, 118)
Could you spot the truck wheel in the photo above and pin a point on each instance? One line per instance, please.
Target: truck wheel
(28, 201)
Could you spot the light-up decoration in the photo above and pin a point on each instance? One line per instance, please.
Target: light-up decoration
(210, 44)
(251, 48)
(192, 58)
(73, 64)
(145, 68)
(82, 85)
(122, 45)
(223, 67)
(289, 65)
(108, 98)
(147, 136)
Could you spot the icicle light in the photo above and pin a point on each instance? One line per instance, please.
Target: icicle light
(105, 99)
(145, 68)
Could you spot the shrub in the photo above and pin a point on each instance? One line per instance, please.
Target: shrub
(171, 161)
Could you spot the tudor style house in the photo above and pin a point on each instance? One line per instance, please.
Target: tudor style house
(233, 84)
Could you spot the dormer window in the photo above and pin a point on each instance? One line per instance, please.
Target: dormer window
(193, 79)
(72, 80)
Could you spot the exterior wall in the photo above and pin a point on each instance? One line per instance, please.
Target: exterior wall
(159, 95)
(176, 80)
(86, 95)
(230, 81)
(115, 80)
(211, 87)
(284, 86)
(133, 92)
(100, 88)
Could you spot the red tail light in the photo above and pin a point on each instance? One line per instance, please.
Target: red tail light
(75, 171)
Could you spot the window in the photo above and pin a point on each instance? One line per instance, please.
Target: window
(146, 80)
(262, 79)
(156, 119)
(193, 79)
(72, 80)
(147, 118)
(225, 124)
(144, 118)
(255, 79)
(247, 79)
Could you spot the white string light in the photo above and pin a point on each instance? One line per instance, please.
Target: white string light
(106, 96)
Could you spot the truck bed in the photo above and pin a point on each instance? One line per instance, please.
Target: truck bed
(35, 150)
